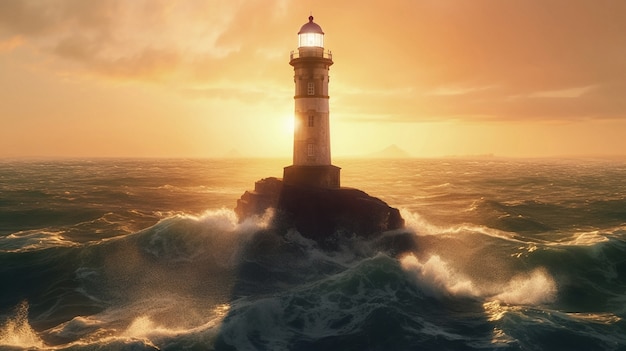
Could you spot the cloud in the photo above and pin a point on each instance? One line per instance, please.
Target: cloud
(517, 48)
(398, 61)
(11, 43)
(144, 64)
(143, 40)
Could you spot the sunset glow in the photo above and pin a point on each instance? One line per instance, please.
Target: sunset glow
(155, 78)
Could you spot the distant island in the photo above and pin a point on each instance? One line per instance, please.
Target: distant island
(233, 153)
(391, 151)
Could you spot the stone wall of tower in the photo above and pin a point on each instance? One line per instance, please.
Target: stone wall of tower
(312, 127)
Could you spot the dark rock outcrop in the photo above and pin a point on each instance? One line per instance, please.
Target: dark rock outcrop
(320, 213)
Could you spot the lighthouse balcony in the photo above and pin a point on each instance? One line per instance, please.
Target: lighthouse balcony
(311, 52)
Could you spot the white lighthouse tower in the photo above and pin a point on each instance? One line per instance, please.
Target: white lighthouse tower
(311, 139)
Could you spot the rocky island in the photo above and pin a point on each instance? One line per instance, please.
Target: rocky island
(319, 213)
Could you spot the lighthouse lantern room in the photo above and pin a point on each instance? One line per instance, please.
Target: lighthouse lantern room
(311, 34)
(311, 144)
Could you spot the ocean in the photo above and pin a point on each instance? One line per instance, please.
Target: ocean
(147, 254)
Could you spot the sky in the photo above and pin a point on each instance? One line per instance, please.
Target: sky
(162, 78)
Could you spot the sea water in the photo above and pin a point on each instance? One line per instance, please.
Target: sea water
(126, 254)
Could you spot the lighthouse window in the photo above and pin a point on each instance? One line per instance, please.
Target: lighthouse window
(311, 121)
(310, 150)
(311, 88)
(311, 39)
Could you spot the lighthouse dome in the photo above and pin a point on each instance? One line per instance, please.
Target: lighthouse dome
(311, 27)
(311, 35)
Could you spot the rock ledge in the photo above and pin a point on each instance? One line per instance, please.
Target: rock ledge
(319, 213)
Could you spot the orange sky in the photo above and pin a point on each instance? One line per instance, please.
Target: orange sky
(162, 78)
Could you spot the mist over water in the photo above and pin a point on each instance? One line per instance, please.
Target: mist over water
(148, 254)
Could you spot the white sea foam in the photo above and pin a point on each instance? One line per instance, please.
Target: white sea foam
(215, 233)
(599, 318)
(17, 332)
(31, 240)
(436, 277)
(146, 328)
(77, 327)
(588, 238)
(423, 227)
(220, 219)
(534, 288)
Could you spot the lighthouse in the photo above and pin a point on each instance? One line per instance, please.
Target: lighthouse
(311, 138)
(309, 198)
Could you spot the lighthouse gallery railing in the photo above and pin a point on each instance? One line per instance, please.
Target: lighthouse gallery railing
(311, 53)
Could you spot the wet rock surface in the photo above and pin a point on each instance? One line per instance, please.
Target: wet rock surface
(320, 213)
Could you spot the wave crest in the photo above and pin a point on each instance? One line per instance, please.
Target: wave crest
(534, 288)
(17, 332)
(436, 278)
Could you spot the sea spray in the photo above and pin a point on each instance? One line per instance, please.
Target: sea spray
(535, 288)
(436, 277)
(17, 332)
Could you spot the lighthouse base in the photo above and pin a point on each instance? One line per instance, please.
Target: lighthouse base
(314, 176)
(325, 215)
